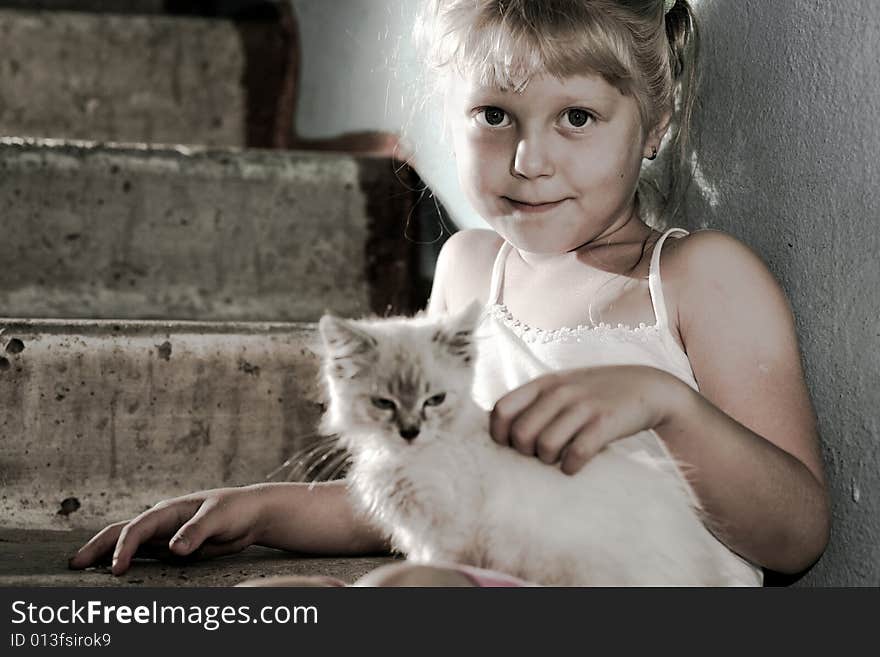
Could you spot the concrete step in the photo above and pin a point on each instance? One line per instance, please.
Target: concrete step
(110, 6)
(100, 420)
(39, 558)
(113, 231)
(147, 78)
(224, 8)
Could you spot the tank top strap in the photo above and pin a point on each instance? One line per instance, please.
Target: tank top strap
(498, 273)
(654, 284)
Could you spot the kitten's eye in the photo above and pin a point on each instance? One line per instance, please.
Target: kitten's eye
(384, 404)
(436, 400)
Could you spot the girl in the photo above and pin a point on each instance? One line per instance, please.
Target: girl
(552, 107)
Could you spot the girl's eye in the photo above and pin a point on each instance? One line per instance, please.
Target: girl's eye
(436, 400)
(384, 404)
(493, 116)
(577, 117)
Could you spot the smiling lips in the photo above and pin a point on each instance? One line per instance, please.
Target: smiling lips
(523, 206)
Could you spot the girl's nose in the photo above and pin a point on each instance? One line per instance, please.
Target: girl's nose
(532, 160)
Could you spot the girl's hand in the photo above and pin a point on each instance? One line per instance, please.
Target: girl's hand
(201, 525)
(571, 415)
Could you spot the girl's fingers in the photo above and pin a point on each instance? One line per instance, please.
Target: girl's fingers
(159, 521)
(210, 550)
(100, 545)
(530, 424)
(560, 431)
(508, 408)
(153, 549)
(207, 550)
(205, 523)
(192, 522)
(588, 442)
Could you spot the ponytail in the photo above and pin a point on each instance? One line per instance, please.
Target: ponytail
(682, 35)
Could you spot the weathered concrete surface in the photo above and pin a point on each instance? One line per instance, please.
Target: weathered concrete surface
(176, 7)
(110, 6)
(39, 558)
(123, 232)
(788, 163)
(113, 417)
(122, 78)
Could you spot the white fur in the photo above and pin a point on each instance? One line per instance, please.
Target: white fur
(453, 495)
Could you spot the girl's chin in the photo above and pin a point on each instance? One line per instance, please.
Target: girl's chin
(534, 237)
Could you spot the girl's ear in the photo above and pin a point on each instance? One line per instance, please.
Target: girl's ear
(457, 331)
(348, 346)
(658, 132)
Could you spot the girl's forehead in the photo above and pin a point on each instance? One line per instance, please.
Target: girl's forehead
(584, 87)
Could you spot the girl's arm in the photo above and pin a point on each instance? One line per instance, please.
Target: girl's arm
(315, 518)
(749, 435)
(751, 431)
(290, 516)
(464, 270)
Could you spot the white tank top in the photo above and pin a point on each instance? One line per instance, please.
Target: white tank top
(512, 353)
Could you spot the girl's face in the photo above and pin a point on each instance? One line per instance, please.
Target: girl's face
(552, 167)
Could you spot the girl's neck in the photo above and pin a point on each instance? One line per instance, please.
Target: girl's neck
(629, 229)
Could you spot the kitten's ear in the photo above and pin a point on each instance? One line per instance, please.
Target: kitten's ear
(348, 346)
(456, 333)
(469, 318)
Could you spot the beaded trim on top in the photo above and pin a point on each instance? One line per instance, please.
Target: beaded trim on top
(620, 333)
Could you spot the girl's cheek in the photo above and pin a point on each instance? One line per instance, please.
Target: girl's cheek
(480, 190)
(476, 170)
(487, 158)
(473, 185)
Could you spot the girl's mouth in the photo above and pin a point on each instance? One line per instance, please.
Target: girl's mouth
(524, 206)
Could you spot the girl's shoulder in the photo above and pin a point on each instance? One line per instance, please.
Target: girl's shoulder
(464, 269)
(708, 255)
(708, 271)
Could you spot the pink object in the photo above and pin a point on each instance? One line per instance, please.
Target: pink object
(489, 578)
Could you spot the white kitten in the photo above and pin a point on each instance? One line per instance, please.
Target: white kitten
(426, 472)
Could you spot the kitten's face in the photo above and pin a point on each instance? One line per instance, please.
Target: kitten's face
(403, 380)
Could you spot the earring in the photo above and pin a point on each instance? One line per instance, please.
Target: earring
(653, 153)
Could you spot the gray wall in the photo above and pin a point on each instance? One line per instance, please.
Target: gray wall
(788, 163)
(360, 72)
(789, 149)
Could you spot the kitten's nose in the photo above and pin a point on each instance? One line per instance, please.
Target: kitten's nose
(408, 433)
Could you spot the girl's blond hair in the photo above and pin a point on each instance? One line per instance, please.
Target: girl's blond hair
(636, 47)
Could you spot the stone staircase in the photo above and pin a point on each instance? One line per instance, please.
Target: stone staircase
(114, 231)
(117, 415)
(161, 270)
(146, 77)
